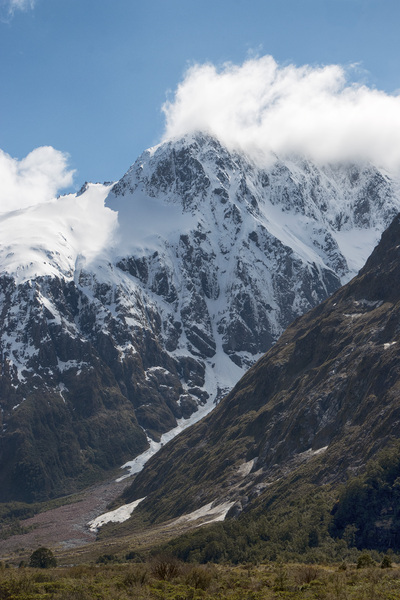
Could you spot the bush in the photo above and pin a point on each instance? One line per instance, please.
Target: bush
(165, 567)
(386, 562)
(281, 577)
(104, 559)
(42, 558)
(199, 577)
(364, 560)
(138, 576)
(306, 574)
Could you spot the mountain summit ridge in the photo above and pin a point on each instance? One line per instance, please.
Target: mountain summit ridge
(130, 305)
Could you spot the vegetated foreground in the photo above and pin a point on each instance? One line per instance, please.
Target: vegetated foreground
(165, 578)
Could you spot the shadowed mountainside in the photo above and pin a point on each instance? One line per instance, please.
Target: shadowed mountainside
(321, 403)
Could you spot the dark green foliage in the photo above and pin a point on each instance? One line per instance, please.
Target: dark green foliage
(293, 524)
(281, 577)
(15, 510)
(165, 567)
(301, 522)
(50, 448)
(14, 528)
(136, 577)
(134, 556)
(104, 559)
(386, 562)
(364, 560)
(42, 558)
(313, 538)
(10, 515)
(200, 577)
(13, 514)
(368, 510)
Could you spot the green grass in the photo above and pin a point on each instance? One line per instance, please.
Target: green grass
(164, 578)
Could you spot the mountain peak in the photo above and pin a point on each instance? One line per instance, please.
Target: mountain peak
(147, 300)
(317, 406)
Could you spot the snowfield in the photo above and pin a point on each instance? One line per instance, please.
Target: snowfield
(119, 515)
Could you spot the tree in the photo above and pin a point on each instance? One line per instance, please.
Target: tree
(386, 562)
(42, 558)
(364, 560)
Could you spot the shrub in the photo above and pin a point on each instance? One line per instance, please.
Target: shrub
(281, 577)
(104, 559)
(306, 574)
(165, 567)
(364, 560)
(386, 562)
(42, 558)
(199, 577)
(136, 557)
(136, 577)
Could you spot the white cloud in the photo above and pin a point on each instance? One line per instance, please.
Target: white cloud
(261, 107)
(36, 178)
(21, 4)
(8, 7)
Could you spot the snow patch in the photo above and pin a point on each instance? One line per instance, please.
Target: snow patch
(52, 237)
(246, 467)
(310, 452)
(136, 465)
(389, 345)
(319, 451)
(62, 388)
(356, 245)
(210, 513)
(119, 515)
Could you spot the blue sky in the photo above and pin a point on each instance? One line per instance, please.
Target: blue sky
(89, 77)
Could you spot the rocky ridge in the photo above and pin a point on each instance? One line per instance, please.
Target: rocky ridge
(125, 308)
(318, 406)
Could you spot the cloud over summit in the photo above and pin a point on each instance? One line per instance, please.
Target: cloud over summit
(261, 107)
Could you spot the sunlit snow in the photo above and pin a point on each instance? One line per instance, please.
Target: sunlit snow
(136, 465)
(119, 515)
(81, 237)
(389, 345)
(55, 237)
(207, 513)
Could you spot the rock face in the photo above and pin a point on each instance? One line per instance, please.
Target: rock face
(125, 308)
(326, 396)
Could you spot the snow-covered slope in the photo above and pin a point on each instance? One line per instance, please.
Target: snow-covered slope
(231, 253)
(125, 307)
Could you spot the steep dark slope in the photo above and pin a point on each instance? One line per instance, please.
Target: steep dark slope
(327, 396)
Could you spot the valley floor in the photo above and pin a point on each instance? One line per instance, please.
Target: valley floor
(163, 579)
(64, 527)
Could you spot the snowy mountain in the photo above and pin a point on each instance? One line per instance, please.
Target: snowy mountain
(310, 416)
(126, 307)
